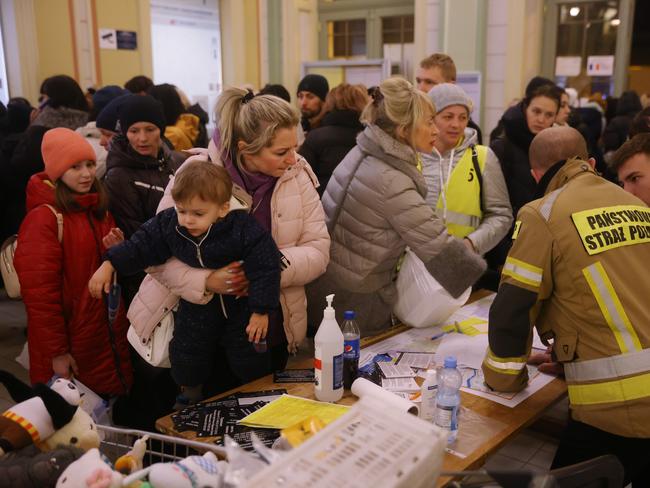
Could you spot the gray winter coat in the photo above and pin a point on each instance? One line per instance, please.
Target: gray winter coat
(375, 208)
(497, 218)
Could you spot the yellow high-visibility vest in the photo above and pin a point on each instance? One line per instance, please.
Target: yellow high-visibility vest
(463, 194)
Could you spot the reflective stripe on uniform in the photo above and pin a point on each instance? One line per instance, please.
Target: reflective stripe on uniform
(607, 368)
(462, 219)
(611, 308)
(512, 365)
(523, 272)
(549, 200)
(616, 391)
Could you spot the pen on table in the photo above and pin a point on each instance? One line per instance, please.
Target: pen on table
(438, 336)
(456, 328)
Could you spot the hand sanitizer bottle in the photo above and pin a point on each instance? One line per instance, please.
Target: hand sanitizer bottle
(328, 357)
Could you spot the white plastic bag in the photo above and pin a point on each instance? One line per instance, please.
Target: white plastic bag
(421, 300)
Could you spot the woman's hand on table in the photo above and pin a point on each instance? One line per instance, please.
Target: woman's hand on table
(229, 280)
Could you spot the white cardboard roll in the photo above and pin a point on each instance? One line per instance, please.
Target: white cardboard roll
(362, 388)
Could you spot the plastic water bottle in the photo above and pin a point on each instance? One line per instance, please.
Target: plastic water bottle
(448, 398)
(351, 337)
(429, 390)
(328, 357)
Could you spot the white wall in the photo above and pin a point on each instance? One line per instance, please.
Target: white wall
(186, 48)
(495, 64)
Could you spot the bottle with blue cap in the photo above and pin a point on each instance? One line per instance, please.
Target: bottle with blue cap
(351, 337)
(448, 398)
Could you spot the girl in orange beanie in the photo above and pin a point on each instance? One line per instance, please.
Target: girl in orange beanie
(68, 331)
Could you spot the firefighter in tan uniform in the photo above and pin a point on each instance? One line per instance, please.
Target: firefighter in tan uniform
(578, 271)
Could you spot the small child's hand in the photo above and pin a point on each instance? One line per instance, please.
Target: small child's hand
(114, 236)
(101, 280)
(257, 327)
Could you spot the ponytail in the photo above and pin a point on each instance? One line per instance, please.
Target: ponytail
(253, 120)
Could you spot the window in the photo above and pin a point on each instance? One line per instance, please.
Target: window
(347, 38)
(368, 30)
(397, 30)
(397, 42)
(587, 29)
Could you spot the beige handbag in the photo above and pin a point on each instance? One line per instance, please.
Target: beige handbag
(7, 252)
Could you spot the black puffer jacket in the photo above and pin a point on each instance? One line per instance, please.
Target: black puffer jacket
(512, 150)
(236, 237)
(326, 146)
(618, 128)
(136, 183)
(511, 147)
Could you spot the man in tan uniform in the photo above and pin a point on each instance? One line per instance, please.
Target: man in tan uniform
(577, 270)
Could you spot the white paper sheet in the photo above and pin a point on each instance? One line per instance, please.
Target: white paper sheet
(536, 382)
(399, 384)
(417, 360)
(468, 350)
(390, 370)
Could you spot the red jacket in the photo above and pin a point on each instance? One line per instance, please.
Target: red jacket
(62, 317)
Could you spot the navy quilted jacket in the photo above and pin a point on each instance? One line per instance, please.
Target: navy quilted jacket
(236, 237)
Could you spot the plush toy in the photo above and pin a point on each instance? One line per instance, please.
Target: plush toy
(44, 417)
(80, 431)
(91, 470)
(132, 460)
(31, 468)
(192, 471)
(68, 390)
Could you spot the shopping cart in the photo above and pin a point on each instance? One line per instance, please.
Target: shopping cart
(160, 448)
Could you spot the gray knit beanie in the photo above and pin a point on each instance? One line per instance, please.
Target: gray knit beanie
(447, 94)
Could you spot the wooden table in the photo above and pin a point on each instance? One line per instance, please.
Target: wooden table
(511, 420)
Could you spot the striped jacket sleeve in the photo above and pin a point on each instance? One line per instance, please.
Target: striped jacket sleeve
(526, 280)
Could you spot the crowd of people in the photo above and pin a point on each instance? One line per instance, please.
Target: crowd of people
(244, 230)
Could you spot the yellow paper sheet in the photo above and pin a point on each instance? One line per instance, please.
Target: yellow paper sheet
(289, 410)
(471, 326)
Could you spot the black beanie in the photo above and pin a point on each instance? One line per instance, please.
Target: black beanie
(109, 115)
(141, 108)
(316, 84)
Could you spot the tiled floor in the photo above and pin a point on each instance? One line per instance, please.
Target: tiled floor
(530, 450)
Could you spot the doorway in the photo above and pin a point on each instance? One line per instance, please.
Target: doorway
(186, 48)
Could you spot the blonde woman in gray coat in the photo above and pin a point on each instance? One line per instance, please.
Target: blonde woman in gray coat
(375, 207)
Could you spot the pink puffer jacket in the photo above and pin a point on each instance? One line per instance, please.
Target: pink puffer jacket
(299, 230)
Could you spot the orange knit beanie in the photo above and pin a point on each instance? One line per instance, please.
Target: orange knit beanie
(63, 148)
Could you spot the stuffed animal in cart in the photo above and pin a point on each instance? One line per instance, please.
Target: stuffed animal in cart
(204, 471)
(92, 470)
(45, 417)
(132, 460)
(31, 468)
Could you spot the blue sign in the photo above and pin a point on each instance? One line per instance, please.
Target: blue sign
(127, 39)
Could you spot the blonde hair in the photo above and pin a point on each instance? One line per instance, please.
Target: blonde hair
(397, 108)
(253, 120)
(347, 97)
(209, 182)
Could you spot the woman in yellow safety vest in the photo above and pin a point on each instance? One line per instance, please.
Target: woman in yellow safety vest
(464, 180)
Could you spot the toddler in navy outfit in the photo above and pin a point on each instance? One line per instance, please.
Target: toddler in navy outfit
(202, 232)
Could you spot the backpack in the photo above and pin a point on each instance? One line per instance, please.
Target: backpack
(7, 252)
